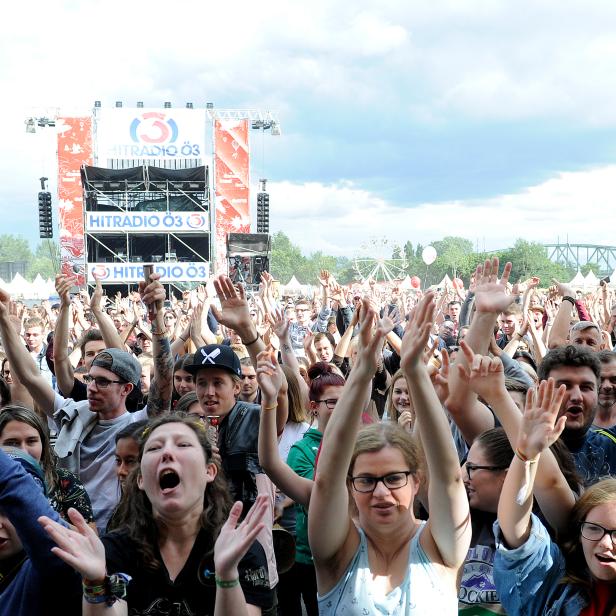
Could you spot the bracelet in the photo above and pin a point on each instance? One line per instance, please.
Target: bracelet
(227, 583)
(112, 589)
(524, 458)
(568, 298)
(270, 408)
(155, 333)
(253, 341)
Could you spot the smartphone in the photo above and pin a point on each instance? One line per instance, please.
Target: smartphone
(148, 270)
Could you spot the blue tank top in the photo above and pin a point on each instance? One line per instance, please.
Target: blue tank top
(421, 592)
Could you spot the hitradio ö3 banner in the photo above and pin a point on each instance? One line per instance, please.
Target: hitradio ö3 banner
(74, 150)
(150, 134)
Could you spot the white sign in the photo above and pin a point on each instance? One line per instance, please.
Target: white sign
(150, 134)
(146, 222)
(194, 271)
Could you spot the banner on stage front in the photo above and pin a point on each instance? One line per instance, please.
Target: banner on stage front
(232, 181)
(119, 272)
(146, 222)
(74, 150)
(150, 134)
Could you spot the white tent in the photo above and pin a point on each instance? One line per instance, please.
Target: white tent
(20, 287)
(293, 287)
(578, 280)
(39, 288)
(591, 280)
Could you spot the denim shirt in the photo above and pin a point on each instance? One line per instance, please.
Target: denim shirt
(528, 578)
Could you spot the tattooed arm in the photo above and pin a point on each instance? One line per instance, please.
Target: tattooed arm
(161, 388)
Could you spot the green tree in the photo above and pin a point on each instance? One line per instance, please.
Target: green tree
(591, 267)
(286, 259)
(455, 257)
(13, 248)
(45, 261)
(531, 259)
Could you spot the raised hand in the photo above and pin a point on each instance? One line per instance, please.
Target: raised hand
(63, 287)
(324, 278)
(541, 425)
(269, 374)
(562, 288)
(372, 332)
(485, 375)
(417, 333)
(233, 541)
(96, 301)
(490, 292)
(406, 420)
(234, 312)
(280, 324)
(79, 547)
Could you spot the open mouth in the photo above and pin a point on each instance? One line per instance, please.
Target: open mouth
(168, 480)
(607, 560)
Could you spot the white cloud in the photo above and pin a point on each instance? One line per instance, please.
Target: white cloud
(339, 218)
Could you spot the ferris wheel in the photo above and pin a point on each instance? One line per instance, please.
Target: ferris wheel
(381, 260)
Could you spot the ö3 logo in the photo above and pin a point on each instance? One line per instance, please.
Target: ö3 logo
(100, 272)
(196, 221)
(153, 128)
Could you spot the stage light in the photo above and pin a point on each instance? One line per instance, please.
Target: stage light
(167, 105)
(189, 106)
(97, 104)
(139, 104)
(209, 105)
(118, 104)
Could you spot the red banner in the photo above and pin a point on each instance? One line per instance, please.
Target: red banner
(231, 161)
(74, 150)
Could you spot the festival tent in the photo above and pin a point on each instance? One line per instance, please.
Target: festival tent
(578, 280)
(591, 280)
(39, 288)
(20, 287)
(293, 287)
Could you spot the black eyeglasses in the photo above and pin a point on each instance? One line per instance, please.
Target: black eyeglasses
(392, 481)
(476, 467)
(100, 381)
(330, 403)
(596, 532)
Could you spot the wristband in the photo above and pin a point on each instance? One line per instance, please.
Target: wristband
(252, 341)
(522, 495)
(156, 333)
(568, 298)
(112, 589)
(270, 408)
(227, 583)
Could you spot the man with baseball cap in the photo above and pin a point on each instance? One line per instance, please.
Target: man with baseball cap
(87, 429)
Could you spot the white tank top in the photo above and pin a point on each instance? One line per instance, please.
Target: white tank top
(421, 592)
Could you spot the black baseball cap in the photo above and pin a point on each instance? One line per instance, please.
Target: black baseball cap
(215, 356)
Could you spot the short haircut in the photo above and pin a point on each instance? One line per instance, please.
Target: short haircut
(453, 302)
(513, 310)
(246, 361)
(318, 337)
(573, 356)
(34, 322)
(606, 357)
(88, 336)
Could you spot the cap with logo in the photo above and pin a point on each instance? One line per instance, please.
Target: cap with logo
(121, 363)
(215, 356)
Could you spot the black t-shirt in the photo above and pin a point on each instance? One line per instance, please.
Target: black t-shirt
(151, 591)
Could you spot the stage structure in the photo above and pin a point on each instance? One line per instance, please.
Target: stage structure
(248, 255)
(155, 185)
(146, 214)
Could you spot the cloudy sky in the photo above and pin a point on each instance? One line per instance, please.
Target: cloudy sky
(407, 120)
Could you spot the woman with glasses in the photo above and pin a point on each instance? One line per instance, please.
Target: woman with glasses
(533, 574)
(380, 559)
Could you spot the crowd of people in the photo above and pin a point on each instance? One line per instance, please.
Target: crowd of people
(366, 450)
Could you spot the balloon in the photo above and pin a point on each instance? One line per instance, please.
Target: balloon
(429, 255)
(458, 283)
(415, 282)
